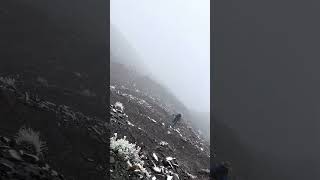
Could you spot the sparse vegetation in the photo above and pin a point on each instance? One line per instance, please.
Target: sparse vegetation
(30, 137)
(119, 105)
(8, 80)
(128, 153)
(125, 149)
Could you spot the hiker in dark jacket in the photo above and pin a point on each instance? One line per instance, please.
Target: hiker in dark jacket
(221, 171)
(176, 119)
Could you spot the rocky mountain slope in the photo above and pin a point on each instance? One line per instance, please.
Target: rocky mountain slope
(145, 120)
(52, 74)
(74, 146)
(52, 80)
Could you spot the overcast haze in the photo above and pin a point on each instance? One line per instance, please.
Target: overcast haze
(172, 38)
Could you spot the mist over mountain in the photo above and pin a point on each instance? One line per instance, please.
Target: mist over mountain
(173, 45)
(123, 53)
(201, 121)
(146, 119)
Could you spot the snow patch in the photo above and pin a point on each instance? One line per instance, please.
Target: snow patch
(156, 169)
(163, 143)
(169, 177)
(152, 119)
(155, 156)
(170, 158)
(130, 124)
(191, 176)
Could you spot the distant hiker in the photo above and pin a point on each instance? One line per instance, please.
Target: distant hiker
(176, 119)
(221, 171)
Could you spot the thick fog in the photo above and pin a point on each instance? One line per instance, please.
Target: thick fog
(173, 40)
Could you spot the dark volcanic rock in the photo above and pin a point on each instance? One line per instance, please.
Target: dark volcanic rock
(12, 155)
(30, 158)
(56, 51)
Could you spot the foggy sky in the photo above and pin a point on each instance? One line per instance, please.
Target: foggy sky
(173, 39)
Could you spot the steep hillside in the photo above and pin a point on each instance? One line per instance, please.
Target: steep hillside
(52, 74)
(72, 145)
(145, 121)
(132, 79)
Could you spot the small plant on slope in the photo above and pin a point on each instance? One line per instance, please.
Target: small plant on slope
(9, 81)
(119, 105)
(27, 136)
(128, 154)
(125, 149)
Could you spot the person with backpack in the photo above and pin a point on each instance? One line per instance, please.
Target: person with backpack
(221, 171)
(176, 119)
